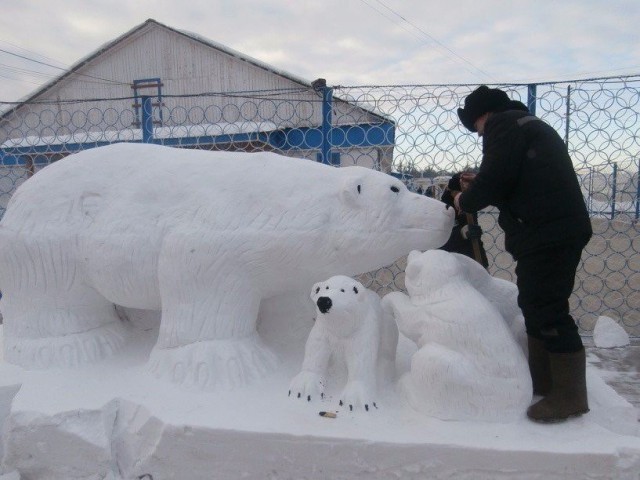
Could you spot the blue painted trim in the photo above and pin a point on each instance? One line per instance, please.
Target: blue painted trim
(342, 136)
(308, 138)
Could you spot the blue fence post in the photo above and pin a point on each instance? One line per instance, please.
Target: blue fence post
(147, 120)
(320, 85)
(614, 188)
(638, 192)
(531, 97)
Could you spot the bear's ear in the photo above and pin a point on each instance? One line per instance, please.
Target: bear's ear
(352, 191)
(413, 255)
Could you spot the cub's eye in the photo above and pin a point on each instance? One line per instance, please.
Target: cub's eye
(317, 289)
(327, 287)
(395, 189)
(342, 290)
(355, 289)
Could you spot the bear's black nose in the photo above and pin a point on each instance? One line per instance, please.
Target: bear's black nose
(324, 304)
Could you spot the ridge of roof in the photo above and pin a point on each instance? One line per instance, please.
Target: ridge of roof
(112, 43)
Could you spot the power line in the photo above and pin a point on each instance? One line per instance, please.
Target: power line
(424, 34)
(115, 82)
(35, 54)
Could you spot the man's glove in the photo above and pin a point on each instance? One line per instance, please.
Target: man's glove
(448, 196)
(470, 232)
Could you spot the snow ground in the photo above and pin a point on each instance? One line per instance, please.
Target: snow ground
(115, 421)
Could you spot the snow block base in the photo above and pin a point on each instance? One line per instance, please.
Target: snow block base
(115, 421)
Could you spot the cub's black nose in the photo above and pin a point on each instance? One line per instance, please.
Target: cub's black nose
(324, 304)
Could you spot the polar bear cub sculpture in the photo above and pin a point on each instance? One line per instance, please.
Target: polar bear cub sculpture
(468, 365)
(350, 325)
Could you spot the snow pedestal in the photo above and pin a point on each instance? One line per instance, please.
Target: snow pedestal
(115, 421)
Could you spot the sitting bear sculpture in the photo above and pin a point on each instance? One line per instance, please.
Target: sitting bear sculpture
(350, 325)
(201, 236)
(468, 365)
(501, 293)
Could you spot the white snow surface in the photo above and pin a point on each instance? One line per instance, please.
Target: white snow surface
(609, 334)
(114, 420)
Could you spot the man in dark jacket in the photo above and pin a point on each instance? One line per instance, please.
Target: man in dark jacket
(527, 173)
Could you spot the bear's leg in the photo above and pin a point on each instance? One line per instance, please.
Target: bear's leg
(208, 337)
(387, 350)
(51, 317)
(441, 383)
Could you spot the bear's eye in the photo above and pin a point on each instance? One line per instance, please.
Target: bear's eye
(355, 289)
(317, 289)
(395, 189)
(359, 188)
(327, 287)
(342, 290)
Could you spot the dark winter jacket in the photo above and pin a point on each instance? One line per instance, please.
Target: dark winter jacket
(527, 173)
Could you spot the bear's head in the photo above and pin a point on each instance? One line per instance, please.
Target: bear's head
(341, 303)
(429, 271)
(383, 220)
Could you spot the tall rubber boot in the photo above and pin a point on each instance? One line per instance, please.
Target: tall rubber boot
(539, 366)
(568, 395)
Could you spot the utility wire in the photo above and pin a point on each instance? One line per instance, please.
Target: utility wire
(114, 82)
(424, 34)
(34, 54)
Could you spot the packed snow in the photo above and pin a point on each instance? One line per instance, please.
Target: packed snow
(609, 334)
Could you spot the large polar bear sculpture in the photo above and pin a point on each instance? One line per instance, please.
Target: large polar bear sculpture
(201, 236)
(468, 365)
(352, 328)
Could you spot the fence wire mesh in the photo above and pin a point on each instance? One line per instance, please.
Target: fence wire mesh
(410, 131)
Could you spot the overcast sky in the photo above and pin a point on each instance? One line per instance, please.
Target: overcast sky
(348, 42)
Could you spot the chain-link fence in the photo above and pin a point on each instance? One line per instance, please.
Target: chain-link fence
(410, 131)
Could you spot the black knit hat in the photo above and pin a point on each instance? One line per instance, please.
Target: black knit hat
(482, 100)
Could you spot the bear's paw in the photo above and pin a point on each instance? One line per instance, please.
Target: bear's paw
(358, 394)
(307, 385)
(214, 364)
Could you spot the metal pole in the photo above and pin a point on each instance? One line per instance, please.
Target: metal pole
(327, 108)
(638, 192)
(590, 190)
(147, 120)
(320, 85)
(567, 123)
(531, 98)
(614, 188)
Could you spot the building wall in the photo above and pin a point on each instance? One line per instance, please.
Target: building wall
(185, 66)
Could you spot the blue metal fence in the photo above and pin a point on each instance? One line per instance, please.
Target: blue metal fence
(411, 131)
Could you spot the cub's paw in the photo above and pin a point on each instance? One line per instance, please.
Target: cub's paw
(307, 385)
(358, 394)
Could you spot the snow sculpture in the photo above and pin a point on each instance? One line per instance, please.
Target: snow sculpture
(351, 326)
(202, 236)
(501, 293)
(468, 365)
